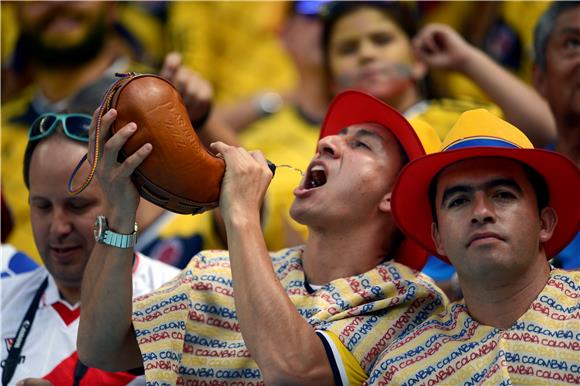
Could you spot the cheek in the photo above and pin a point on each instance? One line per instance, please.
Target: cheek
(340, 64)
(399, 52)
(40, 230)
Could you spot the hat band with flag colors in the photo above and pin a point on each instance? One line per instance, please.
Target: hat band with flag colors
(476, 134)
(353, 107)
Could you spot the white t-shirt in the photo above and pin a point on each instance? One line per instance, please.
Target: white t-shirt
(50, 348)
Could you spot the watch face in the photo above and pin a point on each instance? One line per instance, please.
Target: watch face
(99, 227)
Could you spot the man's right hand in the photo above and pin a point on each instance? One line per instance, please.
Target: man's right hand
(120, 194)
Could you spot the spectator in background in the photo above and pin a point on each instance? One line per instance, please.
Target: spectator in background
(234, 45)
(75, 52)
(498, 209)
(501, 29)
(63, 233)
(557, 78)
(375, 46)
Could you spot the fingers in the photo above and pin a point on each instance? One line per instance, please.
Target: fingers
(114, 146)
(425, 43)
(196, 92)
(171, 64)
(134, 160)
(218, 147)
(240, 156)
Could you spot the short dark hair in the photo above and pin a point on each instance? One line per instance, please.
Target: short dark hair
(401, 14)
(536, 180)
(545, 27)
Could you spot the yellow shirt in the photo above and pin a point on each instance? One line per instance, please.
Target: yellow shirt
(188, 330)
(541, 348)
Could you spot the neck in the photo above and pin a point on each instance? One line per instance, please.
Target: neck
(311, 95)
(569, 143)
(71, 294)
(501, 301)
(352, 250)
(60, 83)
(405, 100)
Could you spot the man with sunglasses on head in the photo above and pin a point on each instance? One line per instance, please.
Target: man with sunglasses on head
(74, 49)
(40, 309)
(310, 315)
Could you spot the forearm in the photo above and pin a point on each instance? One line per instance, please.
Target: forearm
(216, 130)
(521, 105)
(283, 344)
(105, 336)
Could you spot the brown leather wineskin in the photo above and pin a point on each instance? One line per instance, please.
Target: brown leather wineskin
(179, 174)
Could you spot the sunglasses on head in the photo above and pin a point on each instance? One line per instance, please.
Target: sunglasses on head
(75, 126)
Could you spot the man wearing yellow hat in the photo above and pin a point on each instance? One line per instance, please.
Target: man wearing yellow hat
(497, 209)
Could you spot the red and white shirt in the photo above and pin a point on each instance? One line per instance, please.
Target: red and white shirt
(50, 349)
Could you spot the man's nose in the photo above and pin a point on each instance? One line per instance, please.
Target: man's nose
(367, 50)
(61, 223)
(483, 210)
(330, 146)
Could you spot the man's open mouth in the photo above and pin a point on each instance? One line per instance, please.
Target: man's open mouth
(315, 178)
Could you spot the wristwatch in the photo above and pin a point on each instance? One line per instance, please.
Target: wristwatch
(104, 235)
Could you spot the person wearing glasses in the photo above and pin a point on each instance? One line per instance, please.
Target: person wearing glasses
(498, 209)
(40, 309)
(310, 315)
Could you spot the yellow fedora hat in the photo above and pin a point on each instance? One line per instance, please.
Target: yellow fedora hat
(478, 133)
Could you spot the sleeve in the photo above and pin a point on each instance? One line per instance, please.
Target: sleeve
(345, 367)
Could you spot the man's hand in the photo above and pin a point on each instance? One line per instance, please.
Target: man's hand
(441, 47)
(120, 194)
(196, 92)
(245, 181)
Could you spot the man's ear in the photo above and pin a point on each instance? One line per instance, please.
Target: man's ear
(437, 239)
(538, 79)
(548, 222)
(385, 204)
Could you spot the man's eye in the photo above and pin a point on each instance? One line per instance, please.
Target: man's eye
(572, 43)
(504, 195)
(42, 206)
(78, 206)
(382, 39)
(456, 202)
(356, 143)
(347, 48)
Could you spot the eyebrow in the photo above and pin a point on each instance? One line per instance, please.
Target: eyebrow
(509, 182)
(568, 30)
(362, 133)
